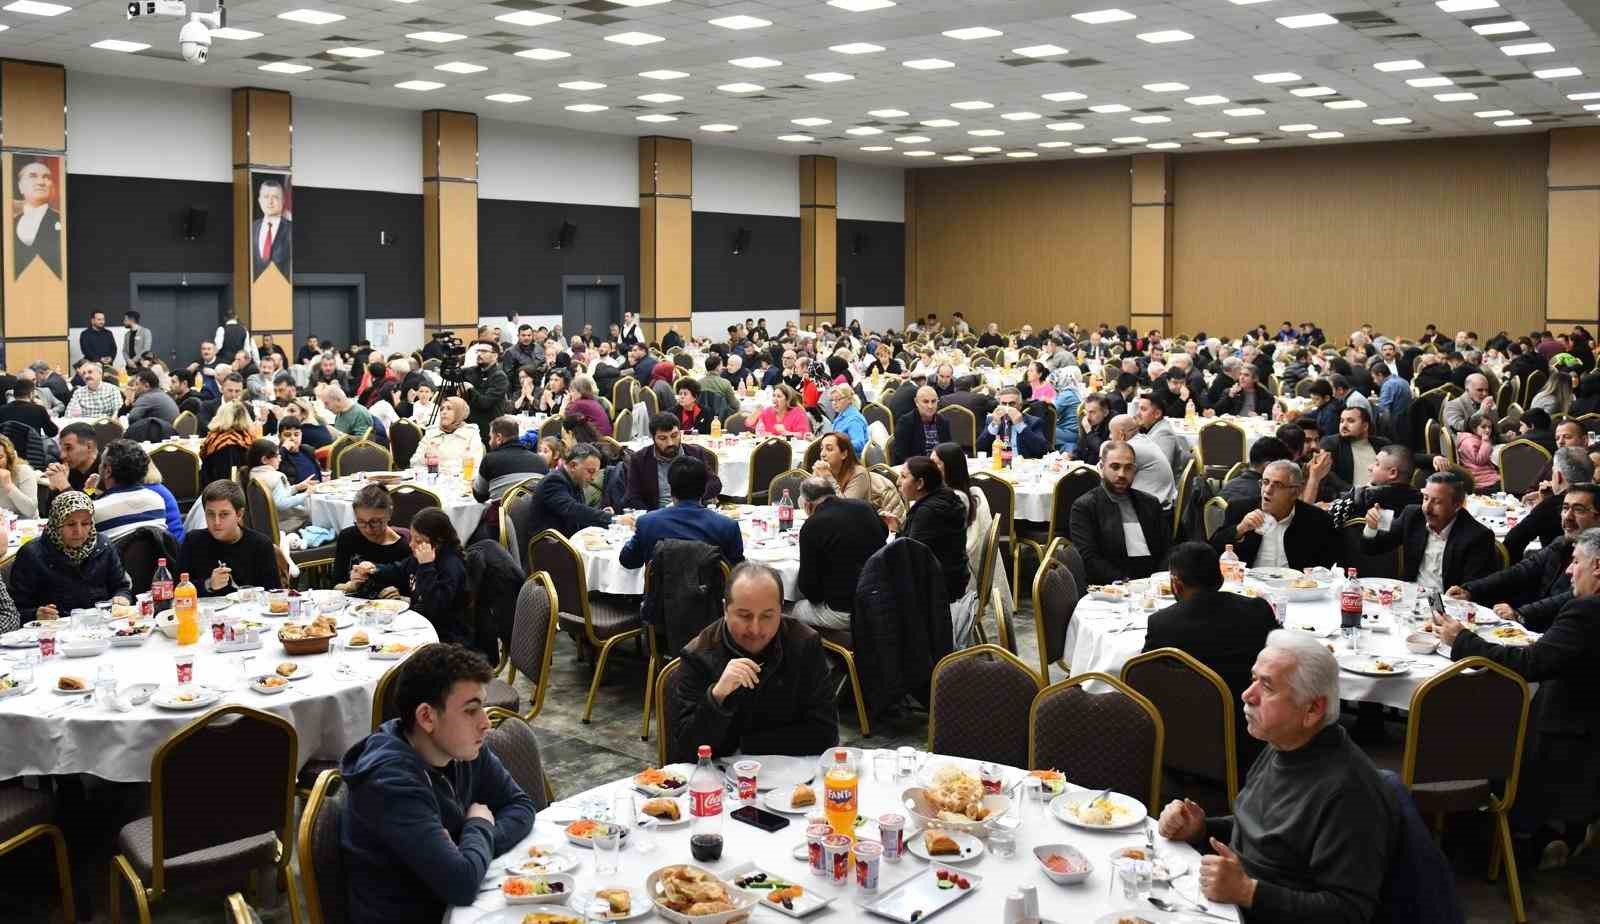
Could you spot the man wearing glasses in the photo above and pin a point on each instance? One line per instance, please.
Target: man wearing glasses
(1534, 589)
(1280, 531)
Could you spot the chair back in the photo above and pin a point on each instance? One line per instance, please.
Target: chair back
(1468, 722)
(735, 423)
(139, 550)
(321, 859)
(874, 454)
(512, 740)
(1069, 487)
(180, 470)
(650, 400)
(1002, 498)
(1099, 740)
(1521, 462)
(1046, 412)
(404, 438)
(1216, 510)
(1062, 549)
(812, 454)
(409, 500)
(1222, 445)
(770, 458)
(384, 704)
(551, 553)
(963, 426)
(106, 430)
(788, 481)
(976, 709)
(621, 427)
(1508, 391)
(988, 557)
(1536, 382)
(1197, 709)
(1431, 432)
(186, 424)
(239, 910)
(666, 682)
(1055, 599)
(878, 413)
(362, 456)
(256, 752)
(1187, 480)
(1384, 565)
(533, 635)
(260, 513)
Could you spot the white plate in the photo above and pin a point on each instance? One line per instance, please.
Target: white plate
(256, 685)
(21, 690)
(681, 771)
(683, 814)
(164, 699)
(1522, 640)
(87, 649)
(303, 670)
(779, 801)
(779, 771)
(132, 641)
(554, 860)
(639, 903)
(971, 848)
(742, 901)
(1299, 594)
(1273, 576)
(1166, 866)
(568, 886)
(1310, 628)
(378, 654)
(83, 692)
(1367, 665)
(588, 843)
(1102, 596)
(19, 638)
(919, 893)
(809, 901)
(1127, 811)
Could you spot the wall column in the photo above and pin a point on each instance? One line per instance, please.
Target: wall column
(819, 233)
(33, 147)
(666, 236)
(263, 194)
(1572, 250)
(450, 222)
(1150, 246)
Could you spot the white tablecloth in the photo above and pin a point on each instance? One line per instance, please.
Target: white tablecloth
(1079, 904)
(332, 506)
(733, 458)
(1034, 481)
(606, 574)
(330, 712)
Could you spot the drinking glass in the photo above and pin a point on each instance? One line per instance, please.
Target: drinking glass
(1003, 838)
(105, 686)
(243, 666)
(608, 853)
(884, 766)
(1135, 876)
(1032, 796)
(22, 669)
(623, 810)
(184, 664)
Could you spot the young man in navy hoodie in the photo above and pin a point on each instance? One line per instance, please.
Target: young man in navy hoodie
(428, 805)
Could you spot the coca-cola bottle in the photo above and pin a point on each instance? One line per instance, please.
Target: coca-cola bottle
(1350, 608)
(785, 512)
(705, 807)
(161, 587)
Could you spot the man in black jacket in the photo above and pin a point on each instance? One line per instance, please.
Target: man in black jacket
(1120, 532)
(508, 461)
(647, 468)
(1245, 398)
(753, 681)
(1346, 460)
(1444, 545)
(1298, 535)
(1245, 487)
(1536, 587)
(1569, 465)
(839, 535)
(919, 431)
(1094, 429)
(558, 500)
(486, 390)
(1389, 487)
(640, 362)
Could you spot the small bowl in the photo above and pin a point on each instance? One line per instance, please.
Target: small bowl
(1073, 854)
(1421, 643)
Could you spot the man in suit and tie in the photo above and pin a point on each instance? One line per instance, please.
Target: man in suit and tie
(1120, 531)
(272, 234)
(1444, 545)
(38, 229)
(1279, 530)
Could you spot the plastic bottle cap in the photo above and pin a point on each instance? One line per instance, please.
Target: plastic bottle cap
(705, 750)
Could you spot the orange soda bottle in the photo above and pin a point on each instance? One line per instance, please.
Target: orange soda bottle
(186, 604)
(841, 786)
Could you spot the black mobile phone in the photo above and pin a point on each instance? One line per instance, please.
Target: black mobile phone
(760, 818)
(1436, 600)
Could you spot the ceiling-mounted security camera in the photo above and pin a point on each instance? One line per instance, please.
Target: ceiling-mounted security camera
(194, 37)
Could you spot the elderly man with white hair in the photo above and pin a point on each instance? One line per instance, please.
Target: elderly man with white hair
(349, 417)
(1314, 826)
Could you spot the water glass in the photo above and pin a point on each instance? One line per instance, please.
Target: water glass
(1136, 878)
(1003, 838)
(243, 667)
(22, 669)
(608, 853)
(884, 764)
(907, 757)
(623, 810)
(105, 686)
(1032, 796)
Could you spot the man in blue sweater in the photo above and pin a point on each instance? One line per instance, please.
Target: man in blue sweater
(428, 806)
(687, 518)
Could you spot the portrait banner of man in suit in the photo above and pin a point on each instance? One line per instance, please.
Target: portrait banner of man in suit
(272, 231)
(37, 230)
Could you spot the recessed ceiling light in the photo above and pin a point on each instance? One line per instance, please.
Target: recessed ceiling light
(237, 35)
(1323, 136)
(985, 149)
(507, 98)
(1430, 82)
(863, 130)
(811, 121)
(755, 61)
(421, 86)
(1245, 2)
(660, 98)
(940, 123)
(797, 138)
(656, 117)
(912, 139)
(1131, 139)
(972, 104)
(1151, 119)
(830, 77)
(1022, 154)
(1312, 92)
(1107, 108)
(1466, 6)
(664, 75)
(986, 133)
(1306, 20)
(634, 38)
(1065, 126)
(1065, 96)
(1455, 97)
(888, 113)
(1556, 73)
(543, 54)
(1168, 87)
(1409, 64)
(1055, 144)
(1494, 114)
(640, 2)
(1392, 120)
(1591, 106)
(1277, 77)
(310, 17)
(1298, 127)
(527, 18)
(1513, 123)
(719, 127)
(1211, 134)
(1243, 111)
(1212, 100)
(928, 64)
(582, 85)
(1345, 104)
(284, 67)
(920, 153)
(741, 88)
(856, 48)
(740, 22)
(353, 52)
(1101, 17)
(958, 157)
(1501, 28)
(587, 107)
(972, 32)
(123, 45)
(1578, 97)
(877, 147)
(1163, 145)
(1091, 150)
(1165, 36)
(1244, 140)
(1039, 51)
(1528, 48)
(436, 37)
(860, 6)
(1019, 116)
(460, 67)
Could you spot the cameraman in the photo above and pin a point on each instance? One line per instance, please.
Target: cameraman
(484, 387)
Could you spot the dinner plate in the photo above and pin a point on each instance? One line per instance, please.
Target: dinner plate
(1164, 868)
(166, 698)
(639, 903)
(1519, 639)
(378, 652)
(257, 685)
(1368, 665)
(19, 638)
(567, 883)
(683, 814)
(779, 800)
(680, 771)
(1311, 628)
(552, 860)
(303, 670)
(1127, 811)
(89, 688)
(588, 842)
(779, 771)
(971, 848)
(1096, 593)
(808, 902)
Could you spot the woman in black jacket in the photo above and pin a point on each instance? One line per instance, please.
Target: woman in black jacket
(937, 519)
(70, 567)
(434, 576)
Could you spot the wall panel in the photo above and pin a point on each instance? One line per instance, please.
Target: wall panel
(765, 275)
(871, 261)
(1399, 234)
(518, 270)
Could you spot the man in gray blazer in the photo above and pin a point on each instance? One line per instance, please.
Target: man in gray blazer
(1475, 400)
(136, 339)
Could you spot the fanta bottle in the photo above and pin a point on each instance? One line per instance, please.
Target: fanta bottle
(842, 784)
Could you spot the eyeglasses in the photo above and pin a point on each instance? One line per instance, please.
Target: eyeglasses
(374, 523)
(1278, 485)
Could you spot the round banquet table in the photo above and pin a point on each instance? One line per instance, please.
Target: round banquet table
(733, 458)
(1103, 636)
(1033, 480)
(993, 878)
(46, 734)
(600, 547)
(330, 505)
(1254, 428)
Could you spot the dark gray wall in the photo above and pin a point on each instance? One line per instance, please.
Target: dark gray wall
(766, 275)
(336, 231)
(517, 269)
(876, 275)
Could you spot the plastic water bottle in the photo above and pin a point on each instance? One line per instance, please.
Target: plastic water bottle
(785, 512)
(705, 807)
(1232, 568)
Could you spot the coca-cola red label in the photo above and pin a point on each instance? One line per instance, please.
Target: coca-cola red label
(705, 802)
(1350, 601)
(161, 590)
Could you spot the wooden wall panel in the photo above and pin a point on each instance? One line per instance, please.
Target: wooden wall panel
(1399, 234)
(1036, 243)
(33, 277)
(1573, 281)
(449, 219)
(666, 234)
(1574, 157)
(33, 100)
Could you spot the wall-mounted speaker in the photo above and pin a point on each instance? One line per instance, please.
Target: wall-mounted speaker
(385, 239)
(741, 241)
(858, 244)
(194, 223)
(565, 236)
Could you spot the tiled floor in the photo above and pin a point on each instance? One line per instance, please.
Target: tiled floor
(578, 756)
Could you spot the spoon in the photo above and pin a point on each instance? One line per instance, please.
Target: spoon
(1185, 908)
